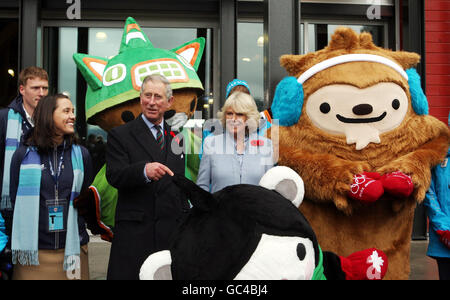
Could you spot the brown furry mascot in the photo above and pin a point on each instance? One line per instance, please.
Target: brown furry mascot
(355, 126)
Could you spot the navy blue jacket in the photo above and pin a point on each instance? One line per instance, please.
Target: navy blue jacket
(54, 240)
(17, 106)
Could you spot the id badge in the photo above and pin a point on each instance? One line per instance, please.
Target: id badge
(56, 215)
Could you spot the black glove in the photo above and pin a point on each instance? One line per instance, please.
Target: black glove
(87, 208)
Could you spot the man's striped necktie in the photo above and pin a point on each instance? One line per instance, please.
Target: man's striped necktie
(159, 137)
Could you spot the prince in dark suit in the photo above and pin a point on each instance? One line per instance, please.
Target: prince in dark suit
(140, 163)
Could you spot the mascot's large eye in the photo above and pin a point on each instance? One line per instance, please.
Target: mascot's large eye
(169, 114)
(325, 108)
(395, 104)
(127, 116)
(301, 251)
(193, 104)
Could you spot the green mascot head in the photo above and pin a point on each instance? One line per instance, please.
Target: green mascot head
(114, 84)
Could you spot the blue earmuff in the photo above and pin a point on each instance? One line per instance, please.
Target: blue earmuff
(418, 99)
(288, 101)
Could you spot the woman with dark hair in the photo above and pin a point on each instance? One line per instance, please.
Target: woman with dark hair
(49, 239)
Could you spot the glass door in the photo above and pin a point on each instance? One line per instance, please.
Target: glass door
(315, 35)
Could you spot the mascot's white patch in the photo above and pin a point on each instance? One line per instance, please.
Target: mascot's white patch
(277, 257)
(177, 121)
(359, 114)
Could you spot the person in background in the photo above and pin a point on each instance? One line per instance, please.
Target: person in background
(16, 121)
(49, 239)
(437, 202)
(238, 155)
(15, 124)
(237, 85)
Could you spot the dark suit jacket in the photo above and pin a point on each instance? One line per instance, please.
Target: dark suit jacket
(146, 213)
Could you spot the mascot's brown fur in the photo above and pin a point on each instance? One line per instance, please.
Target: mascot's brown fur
(327, 163)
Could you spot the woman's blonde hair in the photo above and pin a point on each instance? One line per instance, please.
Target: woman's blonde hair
(241, 103)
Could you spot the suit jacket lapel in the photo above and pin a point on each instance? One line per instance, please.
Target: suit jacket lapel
(145, 139)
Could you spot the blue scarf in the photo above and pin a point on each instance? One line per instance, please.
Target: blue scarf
(25, 234)
(13, 135)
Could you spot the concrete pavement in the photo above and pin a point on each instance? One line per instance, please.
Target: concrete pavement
(98, 258)
(422, 266)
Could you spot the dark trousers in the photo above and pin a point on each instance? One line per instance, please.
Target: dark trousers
(443, 267)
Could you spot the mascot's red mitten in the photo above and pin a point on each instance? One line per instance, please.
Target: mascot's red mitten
(368, 264)
(397, 184)
(366, 187)
(370, 186)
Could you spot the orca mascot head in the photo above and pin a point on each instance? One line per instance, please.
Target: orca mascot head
(242, 232)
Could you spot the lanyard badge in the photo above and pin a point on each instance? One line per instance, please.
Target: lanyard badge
(56, 211)
(56, 173)
(56, 208)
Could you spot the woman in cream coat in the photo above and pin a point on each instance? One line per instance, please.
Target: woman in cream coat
(239, 155)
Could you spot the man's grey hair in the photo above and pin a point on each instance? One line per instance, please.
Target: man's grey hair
(158, 78)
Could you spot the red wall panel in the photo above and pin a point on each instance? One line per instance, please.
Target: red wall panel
(437, 57)
(437, 90)
(437, 37)
(438, 47)
(437, 69)
(438, 79)
(437, 26)
(440, 101)
(437, 15)
(437, 4)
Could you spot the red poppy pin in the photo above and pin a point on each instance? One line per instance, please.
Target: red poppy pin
(257, 143)
(174, 136)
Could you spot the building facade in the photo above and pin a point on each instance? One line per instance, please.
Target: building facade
(244, 39)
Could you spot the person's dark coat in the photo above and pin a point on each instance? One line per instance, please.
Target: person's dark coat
(147, 213)
(17, 106)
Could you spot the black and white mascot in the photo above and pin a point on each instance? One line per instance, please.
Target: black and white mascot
(254, 232)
